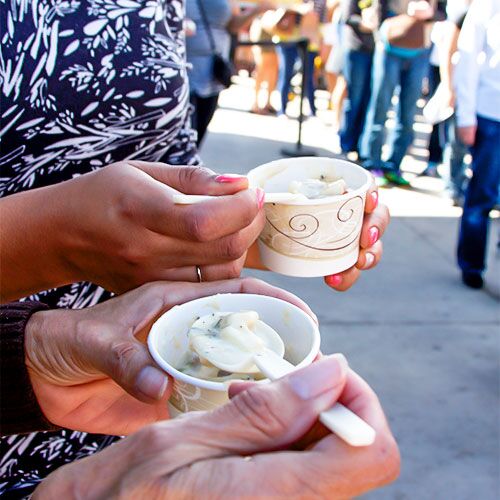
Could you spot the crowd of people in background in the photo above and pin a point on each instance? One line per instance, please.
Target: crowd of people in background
(373, 56)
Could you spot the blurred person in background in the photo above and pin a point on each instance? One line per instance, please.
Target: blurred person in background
(334, 64)
(455, 150)
(439, 136)
(302, 22)
(266, 61)
(401, 60)
(359, 22)
(477, 90)
(215, 21)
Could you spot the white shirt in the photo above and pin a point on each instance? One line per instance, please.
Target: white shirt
(477, 74)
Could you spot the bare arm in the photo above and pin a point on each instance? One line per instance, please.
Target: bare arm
(33, 240)
(449, 47)
(118, 227)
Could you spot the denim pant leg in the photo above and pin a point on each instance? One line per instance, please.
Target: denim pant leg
(437, 139)
(454, 154)
(385, 77)
(288, 56)
(413, 72)
(480, 197)
(357, 72)
(309, 90)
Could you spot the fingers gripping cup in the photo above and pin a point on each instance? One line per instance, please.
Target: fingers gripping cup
(319, 234)
(169, 343)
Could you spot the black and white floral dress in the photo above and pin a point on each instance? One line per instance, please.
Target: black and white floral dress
(84, 83)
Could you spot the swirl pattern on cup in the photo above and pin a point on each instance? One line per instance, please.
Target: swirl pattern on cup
(324, 229)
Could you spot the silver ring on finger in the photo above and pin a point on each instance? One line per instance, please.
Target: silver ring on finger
(198, 274)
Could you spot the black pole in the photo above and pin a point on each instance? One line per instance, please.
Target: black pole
(299, 150)
(302, 45)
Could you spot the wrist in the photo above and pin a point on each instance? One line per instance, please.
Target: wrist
(44, 359)
(20, 411)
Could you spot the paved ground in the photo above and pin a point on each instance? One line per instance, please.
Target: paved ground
(429, 346)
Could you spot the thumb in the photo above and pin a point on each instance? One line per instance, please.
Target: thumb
(273, 416)
(194, 179)
(128, 362)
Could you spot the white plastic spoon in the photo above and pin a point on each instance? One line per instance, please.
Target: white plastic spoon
(339, 419)
(234, 350)
(190, 199)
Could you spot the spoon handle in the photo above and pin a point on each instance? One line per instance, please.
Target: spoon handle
(339, 419)
(190, 199)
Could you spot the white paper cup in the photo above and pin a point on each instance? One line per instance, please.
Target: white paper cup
(168, 339)
(313, 237)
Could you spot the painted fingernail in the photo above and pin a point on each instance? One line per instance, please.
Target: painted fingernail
(319, 377)
(374, 196)
(224, 178)
(369, 260)
(334, 280)
(260, 197)
(374, 232)
(152, 382)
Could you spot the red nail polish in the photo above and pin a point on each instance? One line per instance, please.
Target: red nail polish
(334, 280)
(224, 178)
(374, 233)
(260, 197)
(374, 196)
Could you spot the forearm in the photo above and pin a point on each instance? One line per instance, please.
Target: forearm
(446, 57)
(32, 244)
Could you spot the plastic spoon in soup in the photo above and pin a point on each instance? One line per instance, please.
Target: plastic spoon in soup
(226, 341)
(339, 419)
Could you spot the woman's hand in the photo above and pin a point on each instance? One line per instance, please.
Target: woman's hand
(265, 443)
(118, 227)
(375, 222)
(130, 232)
(91, 372)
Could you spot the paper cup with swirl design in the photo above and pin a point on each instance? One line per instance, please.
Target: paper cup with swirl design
(313, 237)
(168, 340)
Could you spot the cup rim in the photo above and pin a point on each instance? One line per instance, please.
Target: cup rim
(319, 201)
(223, 386)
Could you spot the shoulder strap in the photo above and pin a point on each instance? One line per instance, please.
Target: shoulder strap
(204, 19)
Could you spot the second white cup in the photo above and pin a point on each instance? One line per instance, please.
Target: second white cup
(168, 339)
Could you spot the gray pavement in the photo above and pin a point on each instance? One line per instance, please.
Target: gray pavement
(429, 346)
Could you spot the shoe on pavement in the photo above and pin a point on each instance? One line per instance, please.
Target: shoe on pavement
(380, 179)
(396, 179)
(472, 279)
(431, 171)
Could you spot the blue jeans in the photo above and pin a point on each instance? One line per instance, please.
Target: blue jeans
(357, 72)
(480, 197)
(390, 71)
(288, 57)
(454, 153)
